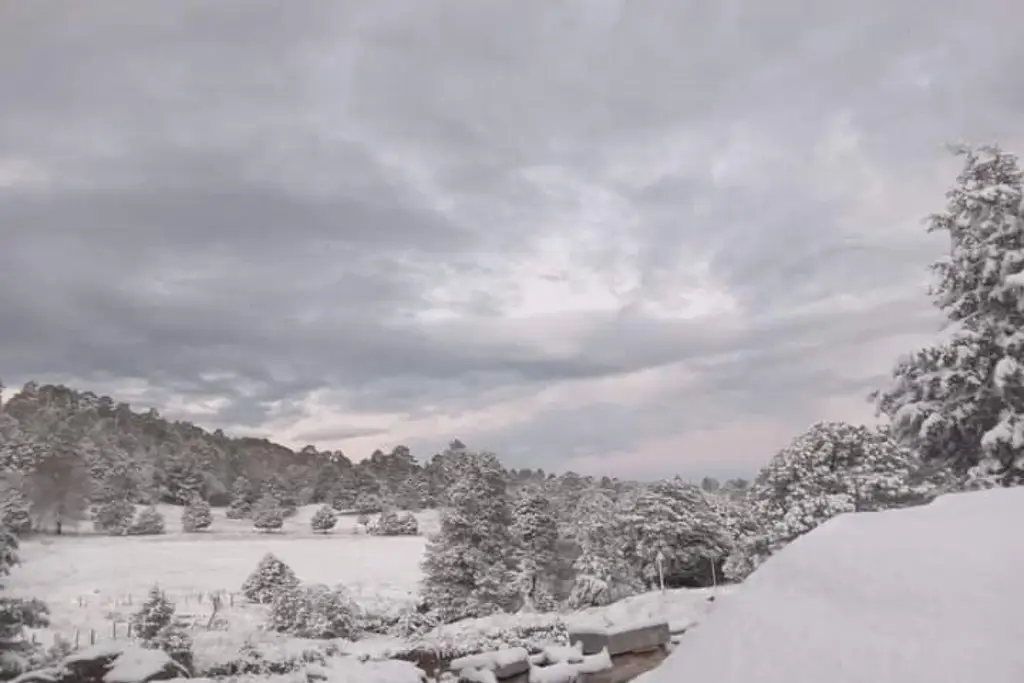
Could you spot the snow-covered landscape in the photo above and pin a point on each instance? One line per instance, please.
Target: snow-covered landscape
(554, 342)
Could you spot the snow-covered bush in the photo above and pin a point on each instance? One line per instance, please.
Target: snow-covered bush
(267, 515)
(469, 566)
(960, 402)
(390, 523)
(832, 468)
(313, 611)
(196, 516)
(113, 517)
(324, 519)
(148, 522)
(270, 577)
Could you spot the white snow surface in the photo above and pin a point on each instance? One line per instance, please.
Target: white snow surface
(932, 594)
(90, 580)
(136, 664)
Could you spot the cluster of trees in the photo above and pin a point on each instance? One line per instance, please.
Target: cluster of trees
(65, 455)
(954, 410)
(566, 541)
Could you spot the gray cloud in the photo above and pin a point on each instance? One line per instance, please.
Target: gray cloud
(229, 202)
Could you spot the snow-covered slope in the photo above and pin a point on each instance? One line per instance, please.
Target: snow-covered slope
(932, 594)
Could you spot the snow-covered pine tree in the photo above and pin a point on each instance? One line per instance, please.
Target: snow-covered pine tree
(157, 628)
(267, 514)
(149, 522)
(535, 532)
(113, 517)
(241, 499)
(674, 519)
(603, 574)
(324, 519)
(832, 468)
(468, 569)
(156, 613)
(15, 509)
(270, 577)
(15, 614)
(196, 516)
(961, 401)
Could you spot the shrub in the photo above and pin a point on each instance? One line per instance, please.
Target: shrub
(196, 516)
(324, 519)
(313, 612)
(391, 523)
(15, 510)
(149, 522)
(270, 577)
(114, 517)
(267, 515)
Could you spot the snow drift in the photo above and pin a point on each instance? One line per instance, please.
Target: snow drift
(932, 593)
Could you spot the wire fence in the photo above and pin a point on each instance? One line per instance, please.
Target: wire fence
(194, 611)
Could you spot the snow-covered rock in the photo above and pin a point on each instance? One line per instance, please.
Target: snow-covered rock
(931, 593)
(110, 663)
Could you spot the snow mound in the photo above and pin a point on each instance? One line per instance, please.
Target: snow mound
(932, 593)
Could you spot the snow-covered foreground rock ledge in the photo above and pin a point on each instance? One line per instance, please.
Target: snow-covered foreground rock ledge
(929, 594)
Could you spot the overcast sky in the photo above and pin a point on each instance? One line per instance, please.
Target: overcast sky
(637, 238)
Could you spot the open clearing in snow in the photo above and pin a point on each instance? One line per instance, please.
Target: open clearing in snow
(93, 581)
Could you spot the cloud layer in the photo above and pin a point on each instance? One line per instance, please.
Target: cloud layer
(627, 238)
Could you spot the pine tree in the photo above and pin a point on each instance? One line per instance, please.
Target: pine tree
(15, 510)
(241, 499)
(961, 401)
(324, 519)
(149, 522)
(673, 520)
(16, 614)
(156, 613)
(270, 577)
(313, 612)
(267, 514)
(114, 517)
(196, 516)
(468, 569)
(603, 574)
(831, 469)
(535, 531)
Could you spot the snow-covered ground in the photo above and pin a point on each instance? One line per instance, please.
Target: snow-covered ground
(932, 594)
(92, 581)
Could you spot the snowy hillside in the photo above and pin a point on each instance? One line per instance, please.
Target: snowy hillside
(923, 594)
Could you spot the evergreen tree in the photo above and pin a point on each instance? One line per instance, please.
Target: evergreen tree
(267, 514)
(270, 577)
(603, 575)
(241, 499)
(149, 522)
(324, 519)
(468, 569)
(16, 614)
(535, 532)
(313, 612)
(113, 517)
(157, 628)
(15, 510)
(196, 516)
(961, 401)
(832, 468)
(673, 520)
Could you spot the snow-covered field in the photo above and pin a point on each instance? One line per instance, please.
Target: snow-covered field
(932, 593)
(93, 582)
